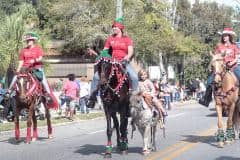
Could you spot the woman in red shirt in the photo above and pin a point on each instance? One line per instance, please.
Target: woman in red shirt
(231, 51)
(122, 50)
(31, 56)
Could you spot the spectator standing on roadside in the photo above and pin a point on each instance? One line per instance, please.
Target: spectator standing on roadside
(71, 92)
(84, 95)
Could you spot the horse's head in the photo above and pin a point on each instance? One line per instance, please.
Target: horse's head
(104, 70)
(218, 68)
(112, 76)
(25, 84)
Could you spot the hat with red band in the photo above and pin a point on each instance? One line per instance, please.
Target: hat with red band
(31, 36)
(119, 23)
(228, 31)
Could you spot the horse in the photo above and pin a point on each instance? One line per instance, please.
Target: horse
(225, 90)
(28, 95)
(146, 121)
(114, 92)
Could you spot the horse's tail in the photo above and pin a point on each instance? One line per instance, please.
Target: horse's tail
(236, 116)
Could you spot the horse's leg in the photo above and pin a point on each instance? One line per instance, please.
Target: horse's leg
(49, 124)
(29, 124)
(16, 120)
(116, 125)
(35, 132)
(108, 153)
(146, 140)
(123, 129)
(154, 129)
(220, 132)
(230, 134)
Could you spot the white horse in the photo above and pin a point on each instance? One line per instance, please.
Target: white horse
(146, 121)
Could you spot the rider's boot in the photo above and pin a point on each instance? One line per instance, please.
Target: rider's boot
(207, 98)
(92, 100)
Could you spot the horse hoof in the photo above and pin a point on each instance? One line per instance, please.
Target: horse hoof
(124, 152)
(50, 136)
(17, 140)
(146, 152)
(229, 142)
(34, 139)
(27, 141)
(220, 145)
(107, 155)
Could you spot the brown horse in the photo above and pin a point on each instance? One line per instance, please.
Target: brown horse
(28, 96)
(225, 86)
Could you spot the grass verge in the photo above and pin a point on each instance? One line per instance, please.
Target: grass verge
(55, 120)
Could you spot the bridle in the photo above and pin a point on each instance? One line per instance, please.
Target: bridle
(217, 86)
(112, 70)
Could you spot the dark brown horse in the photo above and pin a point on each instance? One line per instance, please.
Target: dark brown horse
(226, 88)
(114, 86)
(28, 96)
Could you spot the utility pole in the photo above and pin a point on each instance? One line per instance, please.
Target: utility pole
(119, 8)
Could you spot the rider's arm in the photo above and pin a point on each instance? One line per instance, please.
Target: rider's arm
(20, 64)
(91, 52)
(130, 53)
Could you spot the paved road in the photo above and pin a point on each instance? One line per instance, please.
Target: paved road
(190, 136)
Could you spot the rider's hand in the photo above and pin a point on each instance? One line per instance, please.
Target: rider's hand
(126, 58)
(91, 52)
(32, 61)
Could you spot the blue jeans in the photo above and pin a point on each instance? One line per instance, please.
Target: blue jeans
(132, 75)
(167, 102)
(236, 71)
(82, 104)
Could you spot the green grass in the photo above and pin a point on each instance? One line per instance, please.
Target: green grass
(56, 120)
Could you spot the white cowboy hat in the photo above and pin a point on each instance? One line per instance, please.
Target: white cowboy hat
(228, 31)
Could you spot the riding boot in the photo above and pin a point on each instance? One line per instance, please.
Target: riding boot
(207, 98)
(92, 100)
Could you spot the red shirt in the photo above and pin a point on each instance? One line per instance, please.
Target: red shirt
(27, 54)
(230, 50)
(119, 46)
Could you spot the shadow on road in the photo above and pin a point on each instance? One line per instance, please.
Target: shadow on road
(21, 141)
(200, 139)
(227, 158)
(88, 149)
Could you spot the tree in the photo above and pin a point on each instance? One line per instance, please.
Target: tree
(12, 29)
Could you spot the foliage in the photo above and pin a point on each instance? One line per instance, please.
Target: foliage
(184, 35)
(12, 29)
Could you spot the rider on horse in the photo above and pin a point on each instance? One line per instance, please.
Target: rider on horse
(122, 50)
(31, 57)
(231, 51)
(147, 89)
